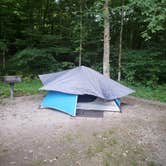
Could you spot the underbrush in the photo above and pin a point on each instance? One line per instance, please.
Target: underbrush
(26, 87)
(152, 93)
(31, 86)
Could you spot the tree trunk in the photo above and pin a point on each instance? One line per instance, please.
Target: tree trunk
(45, 11)
(106, 56)
(80, 50)
(120, 46)
(4, 59)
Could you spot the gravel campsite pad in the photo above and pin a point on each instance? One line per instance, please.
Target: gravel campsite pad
(30, 136)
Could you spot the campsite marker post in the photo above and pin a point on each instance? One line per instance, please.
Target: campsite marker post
(11, 80)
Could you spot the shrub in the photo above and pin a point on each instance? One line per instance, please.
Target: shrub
(32, 61)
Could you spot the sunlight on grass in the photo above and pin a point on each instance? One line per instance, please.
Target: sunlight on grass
(152, 93)
(29, 87)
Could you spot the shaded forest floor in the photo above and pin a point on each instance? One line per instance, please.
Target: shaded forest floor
(30, 136)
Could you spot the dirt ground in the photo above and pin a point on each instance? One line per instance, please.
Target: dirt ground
(30, 136)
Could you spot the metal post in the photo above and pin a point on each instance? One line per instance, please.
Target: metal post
(11, 91)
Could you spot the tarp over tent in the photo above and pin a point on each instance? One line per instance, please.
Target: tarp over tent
(79, 81)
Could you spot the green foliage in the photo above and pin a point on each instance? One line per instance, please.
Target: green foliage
(153, 14)
(151, 93)
(146, 66)
(31, 86)
(65, 65)
(129, 75)
(3, 45)
(152, 163)
(26, 87)
(33, 61)
(44, 36)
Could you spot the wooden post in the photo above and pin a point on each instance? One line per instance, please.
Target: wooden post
(11, 80)
(11, 91)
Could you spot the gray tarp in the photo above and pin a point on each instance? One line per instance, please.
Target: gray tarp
(83, 80)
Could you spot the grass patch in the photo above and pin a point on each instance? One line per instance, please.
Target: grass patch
(3, 152)
(103, 141)
(29, 87)
(151, 163)
(26, 87)
(115, 151)
(152, 93)
(37, 163)
(70, 137)
(96, 148)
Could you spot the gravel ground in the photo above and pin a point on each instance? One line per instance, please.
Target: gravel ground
(30, 136)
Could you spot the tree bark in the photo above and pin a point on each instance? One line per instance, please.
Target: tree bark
(45, 13)
(80, 50)
(106, 55)
(120, 45)
(4, 59)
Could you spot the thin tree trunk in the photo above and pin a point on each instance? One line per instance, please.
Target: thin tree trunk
(4, 59)
(106, 56)
(80, 51)
(120, 45)
(45, 14)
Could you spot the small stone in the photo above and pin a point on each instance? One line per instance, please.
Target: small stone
(30, 151)
(12, 162)
(139, 142)
(124, 154)
(45, 161)
(25, 158)
(104, 138)
(48, 147)
(54, 159)
(51, 161)
(99, 136)
(126, 151)
(78, 163)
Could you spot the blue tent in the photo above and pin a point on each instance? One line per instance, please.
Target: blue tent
(61, 101)
(67, 86)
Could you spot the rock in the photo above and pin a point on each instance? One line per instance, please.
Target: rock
(51, 161)
(12, 162)
(124, 154)
(25, 158)
(78, 163)
(30, 151)
(45, 161)
(104, 138)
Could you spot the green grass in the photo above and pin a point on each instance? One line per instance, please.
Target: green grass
(26, 87)
(29, 87)
(102, 144)
(36, 163)
(157, 93)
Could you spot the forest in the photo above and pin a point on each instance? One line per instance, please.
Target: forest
(51, 35)
(80, 117)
